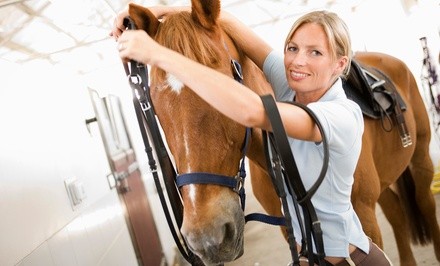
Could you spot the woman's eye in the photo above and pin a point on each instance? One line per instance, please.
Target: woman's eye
(291, 48)
(316, 53)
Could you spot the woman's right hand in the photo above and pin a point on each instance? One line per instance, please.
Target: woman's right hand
(118, 24)
(139, 46)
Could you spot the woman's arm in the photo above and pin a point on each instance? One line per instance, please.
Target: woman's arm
(222, 92)
(253, 46)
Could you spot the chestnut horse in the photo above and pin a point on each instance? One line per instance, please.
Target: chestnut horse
(203, 140)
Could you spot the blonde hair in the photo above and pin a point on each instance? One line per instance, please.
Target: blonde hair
(336, 30)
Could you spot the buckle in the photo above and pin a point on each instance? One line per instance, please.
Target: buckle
(239, 184)
(135, 79)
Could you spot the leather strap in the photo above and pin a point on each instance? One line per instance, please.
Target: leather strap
(138, 80)
(293, 180)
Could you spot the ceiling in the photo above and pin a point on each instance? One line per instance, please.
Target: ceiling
(43, 29)
(61, 30)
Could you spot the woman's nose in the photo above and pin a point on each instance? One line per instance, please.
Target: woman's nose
(299, 59)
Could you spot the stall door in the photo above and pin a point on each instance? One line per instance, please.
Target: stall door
(126, 178)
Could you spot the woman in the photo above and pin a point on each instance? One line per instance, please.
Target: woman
(317, 53)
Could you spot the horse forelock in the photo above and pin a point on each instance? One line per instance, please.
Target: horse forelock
(182, 34)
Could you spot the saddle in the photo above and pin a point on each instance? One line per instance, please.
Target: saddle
(377, 97)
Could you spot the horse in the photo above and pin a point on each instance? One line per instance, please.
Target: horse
(201, 139)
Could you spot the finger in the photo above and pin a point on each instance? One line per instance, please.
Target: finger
(124, 56)
(117, 29)
(116, 33)
(119, 24)
(113, 33)
(121, 47)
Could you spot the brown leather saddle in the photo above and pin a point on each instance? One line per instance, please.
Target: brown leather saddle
(378, 98)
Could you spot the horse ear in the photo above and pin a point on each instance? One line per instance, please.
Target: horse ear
(205, 12)
(143, 19)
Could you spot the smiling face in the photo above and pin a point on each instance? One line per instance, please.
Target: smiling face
(311, 66)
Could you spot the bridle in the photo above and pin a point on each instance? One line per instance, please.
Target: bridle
(150, 130)
(236, 183)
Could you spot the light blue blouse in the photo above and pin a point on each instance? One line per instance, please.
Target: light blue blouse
(343, 126)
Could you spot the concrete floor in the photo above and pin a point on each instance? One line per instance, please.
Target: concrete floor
(265, 246)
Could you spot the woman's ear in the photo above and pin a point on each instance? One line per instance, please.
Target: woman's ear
(341, 64)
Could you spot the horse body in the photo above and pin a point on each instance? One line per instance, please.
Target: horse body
(411, 170)
(380, 150)
(203, 140)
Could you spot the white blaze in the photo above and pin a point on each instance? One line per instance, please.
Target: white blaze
(175, 84)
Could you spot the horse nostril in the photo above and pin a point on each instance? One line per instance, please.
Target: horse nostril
(229, 231)
(225, 233)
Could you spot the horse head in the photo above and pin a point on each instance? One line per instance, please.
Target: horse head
(201, 139)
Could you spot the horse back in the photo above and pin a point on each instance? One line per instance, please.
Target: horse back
(397, 72)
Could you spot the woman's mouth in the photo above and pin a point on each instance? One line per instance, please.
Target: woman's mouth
(297, 75)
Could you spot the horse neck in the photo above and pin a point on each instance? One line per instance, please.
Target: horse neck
(255, 152)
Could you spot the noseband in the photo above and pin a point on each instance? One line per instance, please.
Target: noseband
(236, 183)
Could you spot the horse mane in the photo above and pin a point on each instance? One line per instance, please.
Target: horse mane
(180, 33)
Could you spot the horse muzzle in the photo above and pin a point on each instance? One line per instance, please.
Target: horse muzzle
(219, 241)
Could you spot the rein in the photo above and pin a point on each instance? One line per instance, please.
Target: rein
(138, 79)
(284, 174)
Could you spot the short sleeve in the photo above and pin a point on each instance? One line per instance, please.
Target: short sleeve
(275, 73)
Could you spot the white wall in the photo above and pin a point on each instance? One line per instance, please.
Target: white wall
(43, 142)
(111, 79)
